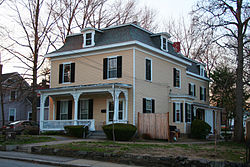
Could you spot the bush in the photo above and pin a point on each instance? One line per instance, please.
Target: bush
(123, 132)
(30, 131)
(200, 129)
(60, 132)
(76, 130)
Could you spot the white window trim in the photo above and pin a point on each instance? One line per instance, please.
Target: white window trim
(107, 110)
(66, 63)
(179, 77)
(92, 39)
(190, 112)
(15, 95)
(179, 103)
(110, 57)
(151, 99)
(162, 43)
(14, 113)
(192, 86)
(151, 66)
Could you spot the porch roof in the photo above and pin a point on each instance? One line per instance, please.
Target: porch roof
(90, 86)
(206, 106)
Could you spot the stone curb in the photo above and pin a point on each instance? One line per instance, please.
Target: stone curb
(44, 162)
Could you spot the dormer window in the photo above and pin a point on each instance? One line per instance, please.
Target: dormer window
(164, 43)
(202, 71)
(88, 39)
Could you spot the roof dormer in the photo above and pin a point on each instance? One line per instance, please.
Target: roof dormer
(89, 36)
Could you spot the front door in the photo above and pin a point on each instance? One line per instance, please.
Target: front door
(110, 111)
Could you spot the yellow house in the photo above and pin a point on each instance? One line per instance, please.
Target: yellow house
(100, 76)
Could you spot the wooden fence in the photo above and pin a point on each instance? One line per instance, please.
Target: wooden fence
(154, 125)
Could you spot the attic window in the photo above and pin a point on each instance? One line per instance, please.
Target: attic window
(202, 71)
(164, 43)
(88, 39)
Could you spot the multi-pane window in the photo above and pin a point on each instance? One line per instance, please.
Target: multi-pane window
(111, 111)
(66, 72)
(64, 110)
(148, 105)
(177, 112)
(164, 44)
(177, 78)
(148, 70)
(112, 67)
(88, 39)
(120, 116)
(188, 112)
(191, 88)
(203, 93)
(13, 94)
(84, 109)
(12, 114)
(202, 71)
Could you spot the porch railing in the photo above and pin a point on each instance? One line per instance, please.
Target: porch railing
(59, 124)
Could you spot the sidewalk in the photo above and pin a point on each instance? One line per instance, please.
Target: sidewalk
(56, 160)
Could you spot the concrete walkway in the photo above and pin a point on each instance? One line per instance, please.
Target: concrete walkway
(56, 160)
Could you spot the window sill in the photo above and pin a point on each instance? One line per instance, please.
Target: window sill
(148, 81)
(112, 78)
(66, 83)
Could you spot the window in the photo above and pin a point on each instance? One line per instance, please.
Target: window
(88, 39)
(29, 115)
(177, 112)
(177, 78)
(191, 89)
(12, 114)
(148, 105)
(164, 44)
(203, 93)
(120, 114)
(13, 95)
(188, 113)
(84, 109)
(148, 70)
(202, 71)
(112, 67)
(64, 110)
(67, 73)
(111, 110)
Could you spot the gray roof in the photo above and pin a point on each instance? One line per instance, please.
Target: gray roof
(124, 33)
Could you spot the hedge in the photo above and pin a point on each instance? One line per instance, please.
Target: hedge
(76, 130)
(200, 129)
(123, 132)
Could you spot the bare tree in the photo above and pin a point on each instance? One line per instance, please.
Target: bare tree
(230, 18)
(33, 38)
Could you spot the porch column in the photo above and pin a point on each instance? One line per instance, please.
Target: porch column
(116, 105)
(195, 108)
(126, 101)
(54, 108)
(42, 102)
(76, 98)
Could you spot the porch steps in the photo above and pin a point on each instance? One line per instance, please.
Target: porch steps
(97, 135)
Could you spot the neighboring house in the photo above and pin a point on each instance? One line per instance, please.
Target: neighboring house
(16, 99)
(15, 93)
(100, 76)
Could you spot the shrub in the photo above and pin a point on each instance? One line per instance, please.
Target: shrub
(30, 131)
(200, 129)
(76, 130)
(123, 132)
(60, 132)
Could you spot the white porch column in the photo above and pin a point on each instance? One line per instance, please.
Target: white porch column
(54, 108)
(126, 101)
(116, 105)
(195, 108)
(42, 102)
(76, 96)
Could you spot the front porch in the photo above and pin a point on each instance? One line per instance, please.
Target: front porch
(89, 105)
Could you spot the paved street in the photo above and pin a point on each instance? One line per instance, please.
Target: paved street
(34, 159)
(14, 163)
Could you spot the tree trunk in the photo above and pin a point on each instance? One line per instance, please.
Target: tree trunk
(238, 124)
(1, 94)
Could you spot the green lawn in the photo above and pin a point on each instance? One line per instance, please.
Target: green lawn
(224, 151)
(25, 139)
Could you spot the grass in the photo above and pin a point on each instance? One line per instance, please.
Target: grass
(225, 150)
(25, 139)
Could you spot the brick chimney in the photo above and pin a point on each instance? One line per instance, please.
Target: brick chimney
(177, 46)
